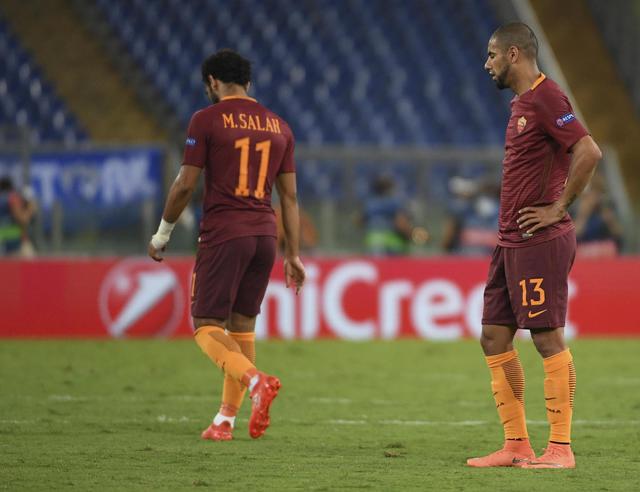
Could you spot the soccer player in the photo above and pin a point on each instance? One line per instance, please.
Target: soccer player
(549, 159)
(244, 149)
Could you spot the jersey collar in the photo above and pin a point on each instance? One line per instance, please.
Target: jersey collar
(538, 81)
(238, 97)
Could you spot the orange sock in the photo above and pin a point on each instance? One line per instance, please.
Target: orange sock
(233, 390)
(559, 388)
(225, 352)
(507, 383)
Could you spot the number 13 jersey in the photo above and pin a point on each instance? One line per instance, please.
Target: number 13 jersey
(242, 147)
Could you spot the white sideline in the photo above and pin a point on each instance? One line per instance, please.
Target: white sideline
(579, 422)
(133, 398)
(166, 419)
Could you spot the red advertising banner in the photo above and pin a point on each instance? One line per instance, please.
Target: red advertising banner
(350, 298)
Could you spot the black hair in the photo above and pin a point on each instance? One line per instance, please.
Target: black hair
(5, 183)
(517, 34)
(228, 66)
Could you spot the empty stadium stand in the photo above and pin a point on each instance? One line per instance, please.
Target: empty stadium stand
(27, 99)
(352, 72)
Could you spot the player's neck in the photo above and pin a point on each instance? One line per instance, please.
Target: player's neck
(526, 80)
(233, 91)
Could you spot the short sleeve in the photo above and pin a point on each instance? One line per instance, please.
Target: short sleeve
(288, 161)
(558, 119)
(196, 144)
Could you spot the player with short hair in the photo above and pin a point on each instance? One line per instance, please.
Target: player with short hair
(549, 159)
(244, 149)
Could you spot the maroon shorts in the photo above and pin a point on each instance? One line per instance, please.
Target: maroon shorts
(232, 277)
(527, 287)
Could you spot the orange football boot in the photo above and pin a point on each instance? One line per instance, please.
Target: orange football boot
(222, 432)
(512, 454)
(262, 395)
(555, 456)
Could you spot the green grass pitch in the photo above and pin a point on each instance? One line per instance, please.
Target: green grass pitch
(404, 415)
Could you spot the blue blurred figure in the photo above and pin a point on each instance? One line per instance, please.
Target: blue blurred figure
(387, 223)
(598, 230)
(472, 225)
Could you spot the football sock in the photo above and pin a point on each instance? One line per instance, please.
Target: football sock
(247, 343)
(225, 352)
(253, 380)
(559, 388)
(219, 418)
(233, 390)
(507, 383)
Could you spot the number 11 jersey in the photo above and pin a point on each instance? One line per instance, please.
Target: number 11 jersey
(242, 147)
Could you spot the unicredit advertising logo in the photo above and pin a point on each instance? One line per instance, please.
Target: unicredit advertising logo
(347, 298)
(141, 298)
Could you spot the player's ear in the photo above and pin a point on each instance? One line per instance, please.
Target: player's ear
(513, 54)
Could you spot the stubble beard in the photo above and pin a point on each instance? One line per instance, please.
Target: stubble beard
(501, 79)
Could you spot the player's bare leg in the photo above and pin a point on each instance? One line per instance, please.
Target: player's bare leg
(507, 383)
(497, 339)
(559, 388)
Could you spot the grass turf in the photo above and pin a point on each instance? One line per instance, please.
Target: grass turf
(127, 415)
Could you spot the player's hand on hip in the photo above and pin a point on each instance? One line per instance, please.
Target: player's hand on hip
(294, 273)
(532, 219)
(156, 248)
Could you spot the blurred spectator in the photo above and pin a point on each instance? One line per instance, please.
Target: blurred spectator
(388, 226)
(308, 232)
(598, 230)
(472, 225)
(16, 212)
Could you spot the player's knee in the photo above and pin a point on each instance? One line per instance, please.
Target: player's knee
(494, 342)
(547, 350)
(240, 323)
(200, 322)
(548, 343)
(487, 342)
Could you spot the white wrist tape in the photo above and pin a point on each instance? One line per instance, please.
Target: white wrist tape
(160, 239)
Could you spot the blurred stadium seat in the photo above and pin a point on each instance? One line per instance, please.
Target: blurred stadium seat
(28, 100)
(339, 72)
(349, 74)
(619, 23)
(313, 61)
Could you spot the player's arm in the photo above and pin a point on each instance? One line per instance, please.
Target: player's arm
(22, 212)
(403, 224)
(178, 198)
(586, 155)
(293, 267)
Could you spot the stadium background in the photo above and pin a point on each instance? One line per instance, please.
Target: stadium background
(95, 97)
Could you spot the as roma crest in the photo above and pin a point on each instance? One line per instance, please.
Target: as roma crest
(522, 122)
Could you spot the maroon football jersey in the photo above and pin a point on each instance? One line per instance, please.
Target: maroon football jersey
(541, 131)
(242, 147)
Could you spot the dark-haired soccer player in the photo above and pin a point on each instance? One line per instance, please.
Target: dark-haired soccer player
(244, 149)
(549, 159)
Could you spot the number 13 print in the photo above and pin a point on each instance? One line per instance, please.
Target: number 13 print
(537, 289)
